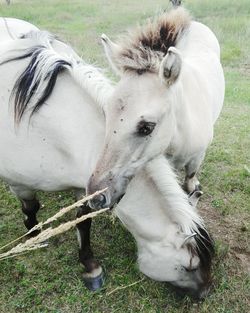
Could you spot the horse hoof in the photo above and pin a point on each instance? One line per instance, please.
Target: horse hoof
(94, 283)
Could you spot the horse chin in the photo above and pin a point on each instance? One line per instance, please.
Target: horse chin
(116, 196)
(117, 202)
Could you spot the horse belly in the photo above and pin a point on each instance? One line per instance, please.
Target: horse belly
(42, 171)
(35, 159)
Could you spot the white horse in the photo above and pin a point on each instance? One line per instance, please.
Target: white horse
(169, 96)
(51, 132)
(58, 147)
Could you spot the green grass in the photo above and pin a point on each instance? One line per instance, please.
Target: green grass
(50, 280)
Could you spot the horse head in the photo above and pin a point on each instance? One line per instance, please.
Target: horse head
(183, 260)
(140, 115)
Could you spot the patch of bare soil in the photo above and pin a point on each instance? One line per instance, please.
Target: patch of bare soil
(232, 231)
(245, 68)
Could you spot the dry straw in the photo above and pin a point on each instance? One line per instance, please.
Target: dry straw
(40, 240)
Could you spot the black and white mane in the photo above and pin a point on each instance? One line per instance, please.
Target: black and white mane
(27, 84)
(37, 81)
(204, 248)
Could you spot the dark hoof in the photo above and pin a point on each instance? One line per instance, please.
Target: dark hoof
(94, 283)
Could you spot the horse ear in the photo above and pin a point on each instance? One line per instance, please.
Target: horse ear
(170, 67)
(184, 239)
(111, 50)
(194, 197)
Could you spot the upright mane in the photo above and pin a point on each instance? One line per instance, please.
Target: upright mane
(37, 81)
(142, 49)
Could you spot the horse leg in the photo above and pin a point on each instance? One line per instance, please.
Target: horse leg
(93, 275)
(191, 182)
(30, 206)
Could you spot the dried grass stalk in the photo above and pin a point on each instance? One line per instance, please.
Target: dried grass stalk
(124, 287)
(56, 216)
(40, 240)
(66, 210)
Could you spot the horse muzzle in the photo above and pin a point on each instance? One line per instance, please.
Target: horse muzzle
(99, 202)
(116, 188)
(199, 293)
(102, 200)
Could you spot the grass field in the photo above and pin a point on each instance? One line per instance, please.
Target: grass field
(49, 280)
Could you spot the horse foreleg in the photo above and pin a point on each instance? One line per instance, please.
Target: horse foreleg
(191, 182)
(30, 206)
(93, 275)
(30, 209)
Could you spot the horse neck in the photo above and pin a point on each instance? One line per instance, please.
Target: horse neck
(91, 79)
(189, 118)
(180, 108)
(176, 201)
(143, 212)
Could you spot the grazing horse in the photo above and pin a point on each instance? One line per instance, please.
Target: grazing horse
(51, 133)
(170, 93)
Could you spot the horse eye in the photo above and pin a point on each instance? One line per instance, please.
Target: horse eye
(188, 269)
(145, 128)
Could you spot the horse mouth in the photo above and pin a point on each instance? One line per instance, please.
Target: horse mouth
(113, 206)
(197, 294)
(94, 205)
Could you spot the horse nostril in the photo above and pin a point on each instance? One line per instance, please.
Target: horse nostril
(188, 269)
(197, 294)
(98, 201)
(102, 199)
